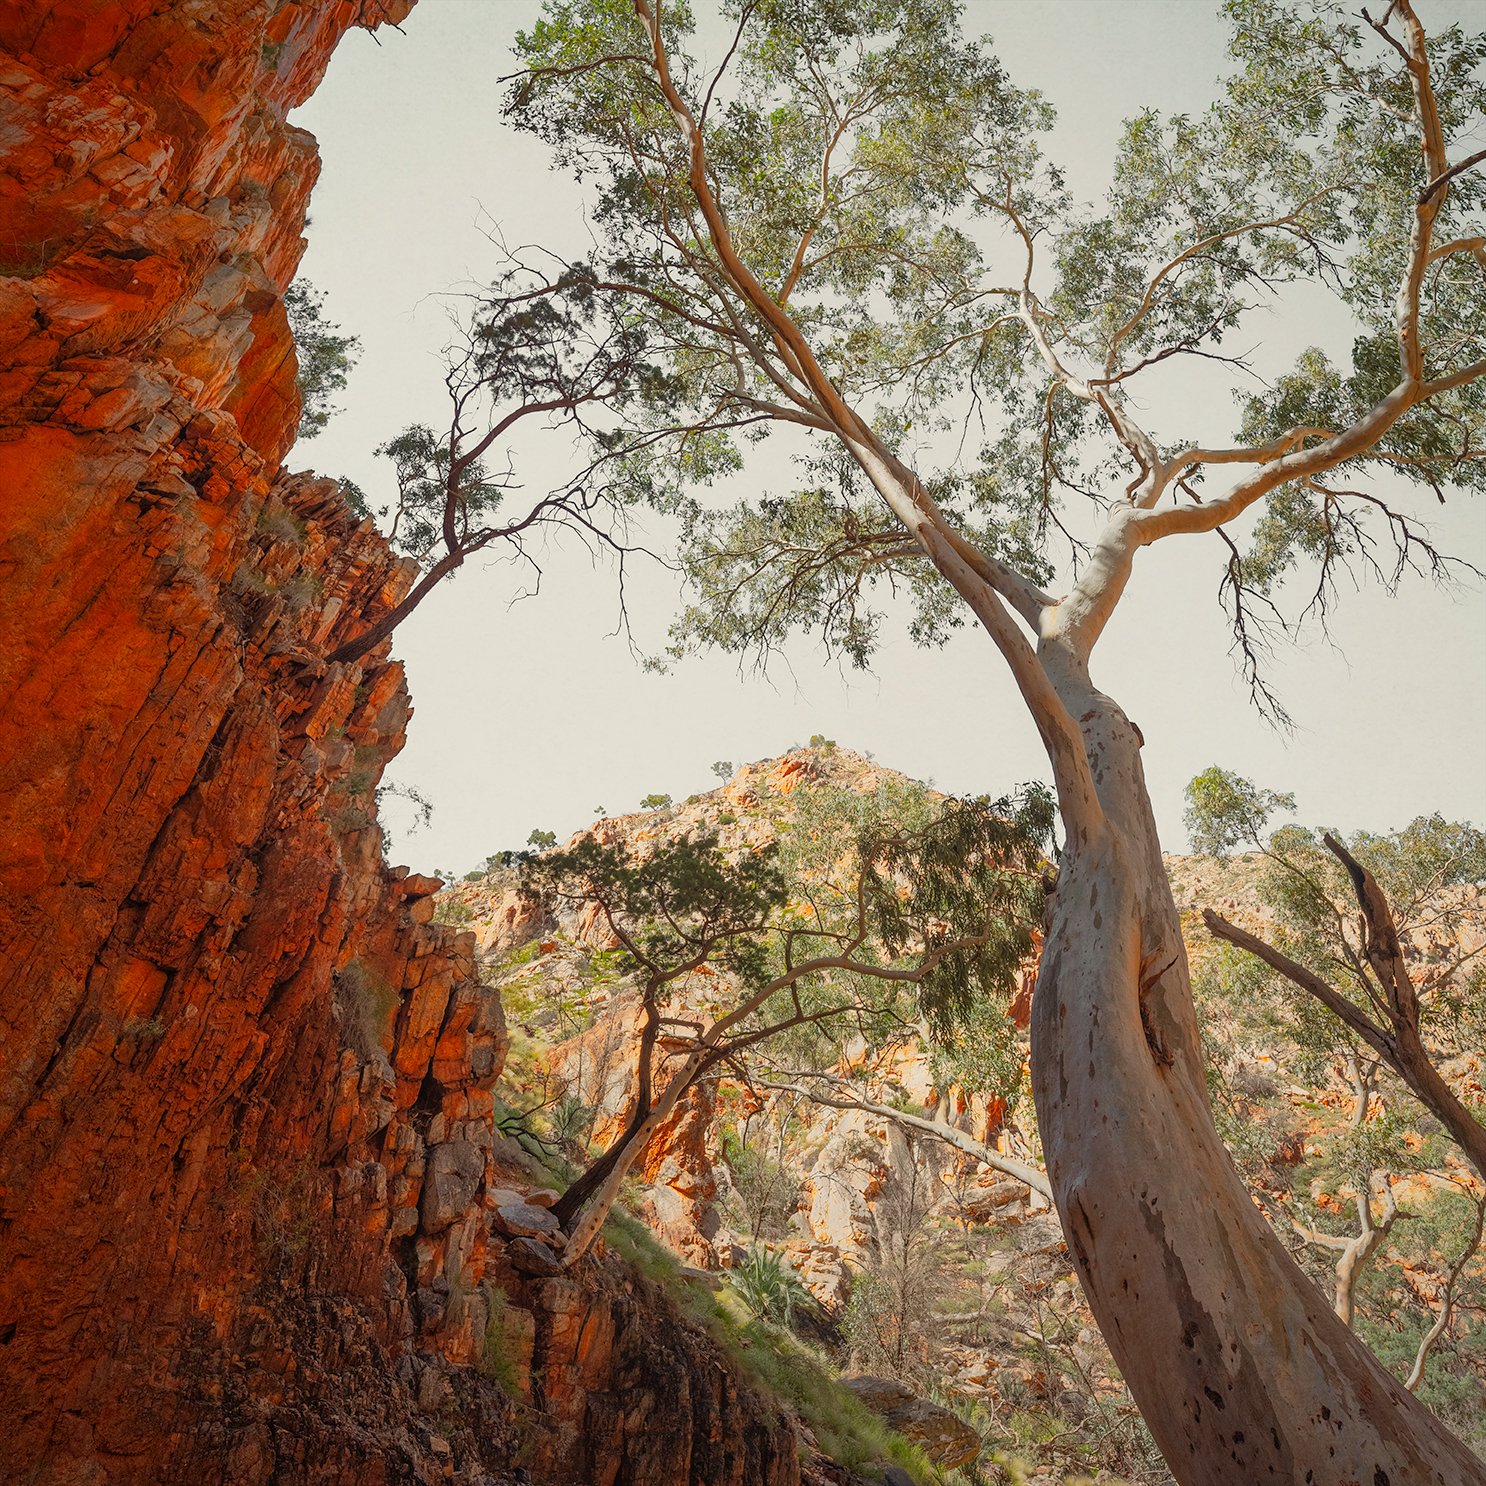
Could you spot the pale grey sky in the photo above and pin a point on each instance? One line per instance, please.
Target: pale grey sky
(535, 714)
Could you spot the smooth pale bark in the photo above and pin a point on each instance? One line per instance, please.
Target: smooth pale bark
(1238, 1363)
(1358, 1251)
(1240, 1367)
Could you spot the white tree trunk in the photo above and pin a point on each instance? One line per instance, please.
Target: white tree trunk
(1237, 1361)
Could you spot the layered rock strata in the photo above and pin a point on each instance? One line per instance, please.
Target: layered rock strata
(248, 1161)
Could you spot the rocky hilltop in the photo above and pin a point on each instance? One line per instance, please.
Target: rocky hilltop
(249, 1164)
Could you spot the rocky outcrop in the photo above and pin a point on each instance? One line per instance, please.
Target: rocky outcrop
(623, 1391)
(942, 1435)
(249, 1168)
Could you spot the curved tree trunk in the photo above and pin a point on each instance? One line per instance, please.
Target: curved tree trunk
(374, 634)
(601, 1197)
(623, 1147)
(1237, 1361)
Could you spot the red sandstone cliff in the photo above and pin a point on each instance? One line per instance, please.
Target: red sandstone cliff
(247, 1159)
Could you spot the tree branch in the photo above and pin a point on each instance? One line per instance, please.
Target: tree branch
(1029, 1176)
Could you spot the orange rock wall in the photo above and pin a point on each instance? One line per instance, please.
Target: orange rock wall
(224, 1033)
(247, 1145)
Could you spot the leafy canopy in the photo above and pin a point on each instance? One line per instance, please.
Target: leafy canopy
(939, 893)
(880, 178)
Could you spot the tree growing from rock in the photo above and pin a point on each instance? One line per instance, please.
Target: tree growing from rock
(559, 355)
(939, 907)
(326, 357)
(847, 232)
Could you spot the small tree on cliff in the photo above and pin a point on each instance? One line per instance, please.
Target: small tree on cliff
(326, 357)
(553, 352)
(811, 232)
(942, 908)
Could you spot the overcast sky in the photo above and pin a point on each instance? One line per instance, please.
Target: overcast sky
(534, 714)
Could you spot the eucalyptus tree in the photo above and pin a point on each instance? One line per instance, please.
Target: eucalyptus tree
(847, 231)
(729, 955)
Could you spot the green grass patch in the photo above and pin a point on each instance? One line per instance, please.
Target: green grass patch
(778, 1364)
(495, 1361)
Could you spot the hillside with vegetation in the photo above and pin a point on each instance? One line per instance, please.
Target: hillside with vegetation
(848, 1199)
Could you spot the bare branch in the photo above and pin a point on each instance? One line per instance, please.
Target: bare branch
(1029, 1176)
(1447, 1299)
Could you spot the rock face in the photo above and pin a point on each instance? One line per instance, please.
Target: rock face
(247, 1154)
(628, 1395)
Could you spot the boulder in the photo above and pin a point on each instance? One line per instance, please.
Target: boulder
(532, 1257)
(941, 1434)
(523, 1220)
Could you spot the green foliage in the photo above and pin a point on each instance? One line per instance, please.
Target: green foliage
(895, 879)
(355, 498)
(275, 520)
(686, 903)
(392, 790)
(495, 1360)
(279, 1204)
(883, 184)
(955, 879)
(426, 482)
(770, 1289)
(326, 358)
(542, 840)
(1311, 899)
(984, 1053)
(723, 769)
(452, 912)
(1310, 1165)
(1225, 812)
(752, 587)
(763, 1186)
(655, 802)
(845, 1429)
(639, 1247)
(144, 1028)
(569, 1120)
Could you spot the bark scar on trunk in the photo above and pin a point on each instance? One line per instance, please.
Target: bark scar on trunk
(1148, 981)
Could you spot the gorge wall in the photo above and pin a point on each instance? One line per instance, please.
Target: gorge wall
(247, 1154)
